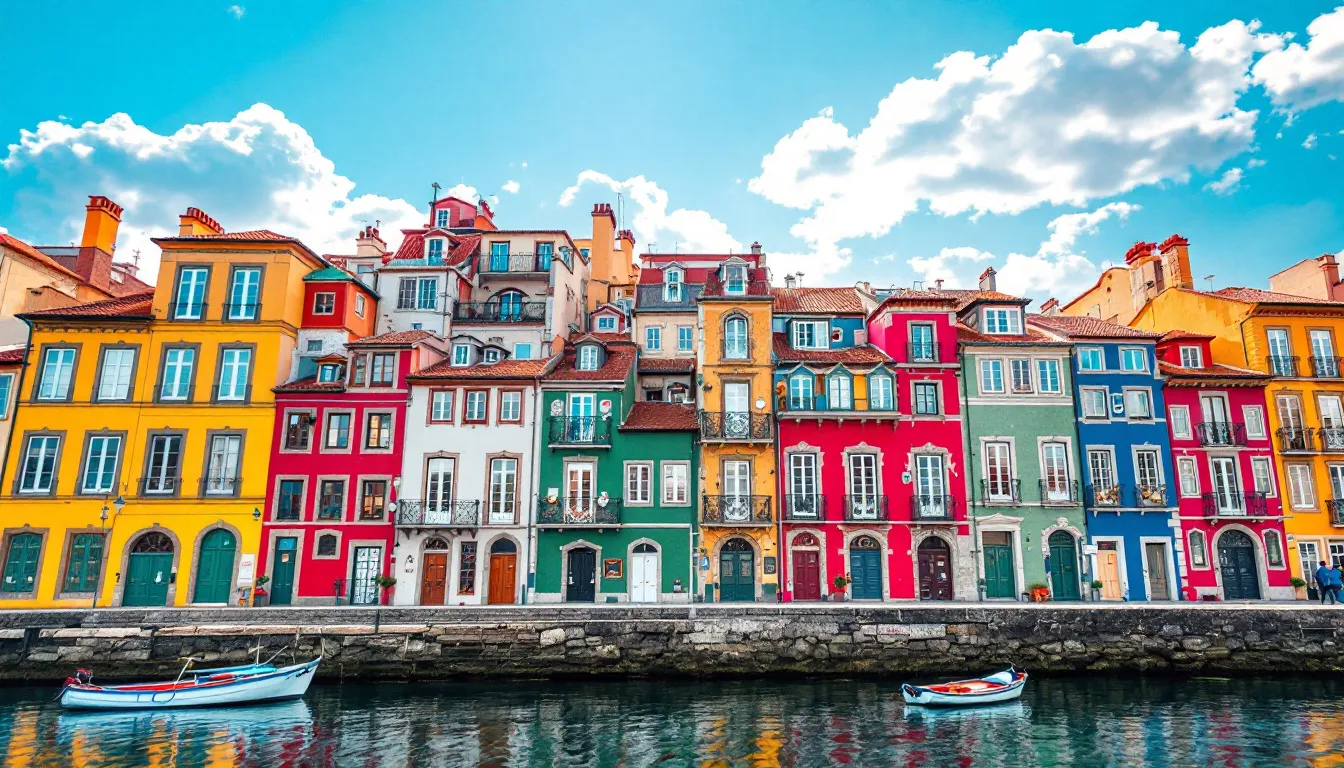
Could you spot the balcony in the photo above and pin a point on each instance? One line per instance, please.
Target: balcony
(1150, 495)
(824, 404)
(1294, 439)
(804, 507)
(1001, 491)
(566, 511)
(1106, 495)
(222, 395)
(1332, 439)
(500, 312)
(1252, 504)
(159, 486)
(1220, 433)
(1058, 493)
(932, 507)
(446, 514)
(736, 510)
(241, 312)
(1324, 367)
(515, 263)
(188, 311)
(1336, 509)
(866, 508)
(1283, 366)
(733, 426)
(922, 352)
(579, 430)
(220, 486)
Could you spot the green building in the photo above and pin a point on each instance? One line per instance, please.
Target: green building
(1021, 449)
(615, 517)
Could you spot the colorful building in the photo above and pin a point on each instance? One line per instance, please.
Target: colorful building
(611, 258)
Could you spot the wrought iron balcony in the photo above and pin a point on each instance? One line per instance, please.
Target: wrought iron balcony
(579, 430)
(925, 506)
(1106, 495)
(188, 311)
(233, 394)
(1058, 493)
(220, 486)
(514, 262)
(736, 425)
(866, 508)
(922, 352)
(1254, 504)
(808, 507)
(159, 486)
(1336, 509)
(448, 514)
(1284, 366)
(1150, 495)
(736, 510)
(1332, 438)
(500, 312)
(824, 404)
(1220, 433)
(241, 312)
(1324, 367)
(1294, 439)
(578, 510)
(1001, 491)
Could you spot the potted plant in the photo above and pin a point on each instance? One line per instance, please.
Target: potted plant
(841, 582)
(1096, 589)
(1039, 592)
(386, 582)
(260, 596)
(1299, 587)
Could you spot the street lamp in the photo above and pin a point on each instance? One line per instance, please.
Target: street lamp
(119, 504)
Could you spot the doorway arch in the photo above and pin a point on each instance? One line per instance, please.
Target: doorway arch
(865, 568)
(1238, 565)
(934, 556)
(149, 567)
(737, 571)
(214, 567)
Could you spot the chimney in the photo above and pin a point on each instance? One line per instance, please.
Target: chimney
(987, 281)
(1175, 251)
(628, 239)
(938, 284)
(102, 217)
(485, 218)
(756, 249)
(1139, 251)
(369, 244)
(790, 281)
(197, 222)
(1050, 308)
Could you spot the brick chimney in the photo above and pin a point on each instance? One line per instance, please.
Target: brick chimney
(988, 281)
(756, 249)
(1139, 251)
(369, 244)
(197, 222)
(1051, 307)
(790, 281)
(102, 218)
(1175, 251)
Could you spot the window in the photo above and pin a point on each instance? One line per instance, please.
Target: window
(373, 499)
(522, 351)
(331, 500)
(100, 464)
(1133, 359)
(221, 472)
(1281, 362)
(639, 483)
(838, 392)
(21, 563)
(1199, 552)
(862, 486)
(1101, 471)
(676, 483)
(1273, 549)
(1055, 471)
(234, 368)
(474, 409)
(6, 387)
(735, 338)
(83, 563)
(378, 431)
(1255, 421)
(653, 338)
(359, 305)
(991, 376)
(289, 500)
(1047, 374)
(800, 392)
(606, 323)
(545, 254)
(588, 356)
(39, 464)
(1180, 421)
(441, 405)
(328, 373)
(114, 378)
(327, 544)
(427, 296)
(1021, 370)
(926, 399)
(811, 334)
(1091, 359)
(502, 501)
(314, 345)
(58, 368)
(1094, 403)
(324, 303)
(164, 465)
(735, 279)
(441, 218)
(1138, 403)
(1192, 357)
(1003, 321)
(510, 406)
(685, 338)
(1147, 470)
(1262, 475)
(466, 569)
(922, 347)
(461, 354)
(406, 292)
(880, 392)
(1189, 476)
(190, 304)
(434, 250)
(672, 286)
(1300, 490)
(999, 472)
(382, 369)
(338, 431)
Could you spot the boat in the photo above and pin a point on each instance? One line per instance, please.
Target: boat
(996, 688)
(222, 686)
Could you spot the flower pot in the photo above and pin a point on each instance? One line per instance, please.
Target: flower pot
(1040, 595)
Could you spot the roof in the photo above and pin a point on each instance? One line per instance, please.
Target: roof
(335, 275)
(1179, 335)
(250, 235)
(661, 417)
(504, 369)
(1089, 327)
(1243, 376)
(606, 338)
(666, 364)
(311, 384)
(1257, 296)
(914, 296)
(696, 275)
(1033, 337)
(818, 300)
(18, 245)
(394, 339)
(862, 355)
(966, 299)
(620, 359)
(412, 250)
(137, 306)
(12, 356)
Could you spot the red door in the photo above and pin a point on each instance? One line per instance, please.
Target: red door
(435, 579)
(806, 575)
(503, 574)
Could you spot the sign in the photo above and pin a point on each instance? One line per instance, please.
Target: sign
(1089, 549)
(247, 570)
(905, 478)
(613, 568)
(704, 563)
(771, 564)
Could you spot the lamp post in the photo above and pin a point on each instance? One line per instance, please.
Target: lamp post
(102, 522)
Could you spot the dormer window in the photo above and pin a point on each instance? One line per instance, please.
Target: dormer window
(1192, 357)
(441, 218)
(810, 334)
(461, 354)
(330, 372)
(588, 357)
(606, 323)
(673, 285)
(434, 252)
(491, 356)
(735, 279)
(1003, 321)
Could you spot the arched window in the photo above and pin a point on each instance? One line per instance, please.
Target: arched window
(644, 548)
(503, 547)
(800, 392)
(805, 540)
(152, 542)
(880, 392)
(672, 285)
(1273, 549)
(839, 392)
(510, 305)
(436, 544)
(1199, 551)
(735, 338)
(865, 542)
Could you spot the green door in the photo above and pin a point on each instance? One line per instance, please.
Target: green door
(1063, 566)
(1000, 581)
(214, 568)
(737, 572)
(282, 571)
(149, 569)
(21, 563)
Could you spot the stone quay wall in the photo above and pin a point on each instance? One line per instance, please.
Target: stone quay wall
(680, 641)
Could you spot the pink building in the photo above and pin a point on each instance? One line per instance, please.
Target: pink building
(1231, 513)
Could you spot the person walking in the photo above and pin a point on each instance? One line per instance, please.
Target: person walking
(1324, 577)
(1336, 582)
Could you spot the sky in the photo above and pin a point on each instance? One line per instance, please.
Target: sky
(887, 142)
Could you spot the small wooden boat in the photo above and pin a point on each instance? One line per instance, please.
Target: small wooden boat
(223, 686)
(999, 687)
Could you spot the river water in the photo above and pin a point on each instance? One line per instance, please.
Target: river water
(1109, 721)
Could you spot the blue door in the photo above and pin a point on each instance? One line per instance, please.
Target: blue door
(865, 568)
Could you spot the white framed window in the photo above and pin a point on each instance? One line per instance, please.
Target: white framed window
(1262, 475)
(1192, 357)
(1133, 359)
(1199, 551)
(491, 355)
(243, 293)
(1047, 377)
(6, 389)
(588, 357)
(880, 392)
(1147, 467)
(801, 392)
(676, 483)
(735, 279)
(1091, 359)
(510, 406)
(811, 334)
(178, 364)
(441, 405)
(1094, 402)
(461, 354)
(100, 464)
(1301, 491)
(1179, 416)
(522, 351)
(406, 291)
(427, 293)
(735, 344)
(234, 367)
(999, 472)
(38, 474)
(673, 285)
(475, 405)
(114, 382)
(991, 376)
(222, 467)
(839, 392)
(58, 368)
(639, 483)
(1187, 470)
(1138, 404)
(1055, 471)
(1273, 549)
(359, 305)
(685, 338)
(441, 218)
(653, 338)
(191, 293)
(802, 498)
(1255, 421)
(434, 249)
(1021, 370)
(324, 303)
(1003, 321)
(606, 323)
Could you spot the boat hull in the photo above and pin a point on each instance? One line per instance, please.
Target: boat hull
(927, 696)
(286, 683)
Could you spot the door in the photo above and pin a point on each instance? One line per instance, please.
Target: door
(644, 574)
(737, 572)
(806, 574)
(1063, 566)
(581, 578)
(499, 257)
(736, 409)
(863, 501)
(1323, 360)
(935, 569)
(1055, 469)
(433, 578)
(931, 499)
(1226, 485)
(214, 567)
(1213, 408)
(865, 568)
(802, 501)
(581, 417)
(1108, 570)
(1155, 557)
(1290, 415)
(282, 570)
(737, 491)
(1280, 361)
(579, 495)
(439, 479)
(1332, 422)
(1236, 562)
(364, 576)
(149, 570)
(1000, 570)
(1309, 558)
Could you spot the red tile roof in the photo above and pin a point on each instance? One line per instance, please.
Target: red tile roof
(394, 339)
(413, 247)
(826, 301)
(137, 305)
(12, 356)
(967, 298)
(1243, 376)
(620, 358)
(967, 335)
(1089, 327)
(694, 275)
(250, 235)
(666, 364)
(310, 384)
(864, 355)
(1257, 296)
(606, 338)
(18, 245)
(1177, 335)
(504, 369)
(902, 296)
(661, 417)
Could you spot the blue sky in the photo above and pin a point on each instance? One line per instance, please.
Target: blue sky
(720, 123)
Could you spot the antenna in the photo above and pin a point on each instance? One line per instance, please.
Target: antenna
(1210, 279)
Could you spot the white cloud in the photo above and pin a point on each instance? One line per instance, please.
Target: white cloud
(1299, 76)
(1310, 142)
(512, 187)
(1050, 121)
(949, 266)
(236, 11)
(1226, 184)
(1256, 162)
(256, 170)
(683, 229)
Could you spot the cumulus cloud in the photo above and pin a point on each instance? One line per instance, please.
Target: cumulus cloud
(954, 266)
(256, 170)
(1226, 184)
(1309, 142)
(1255, 162)
(1299, 76)
(512, 187)
(686, 229)
(236, 11)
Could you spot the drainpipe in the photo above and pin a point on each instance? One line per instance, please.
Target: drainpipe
(536, 478)
(970, 478)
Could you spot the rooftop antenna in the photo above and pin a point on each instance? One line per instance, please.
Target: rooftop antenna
(435, 203)
(1210, 279)
(135, 258)
(620, 210)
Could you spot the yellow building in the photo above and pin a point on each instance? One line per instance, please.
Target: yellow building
(611, 257)
(143, 434)
(737, 460)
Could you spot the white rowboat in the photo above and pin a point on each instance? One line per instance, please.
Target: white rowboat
(249, 684)
(999, 687)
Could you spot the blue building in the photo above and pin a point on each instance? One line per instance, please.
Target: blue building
(1133, 527)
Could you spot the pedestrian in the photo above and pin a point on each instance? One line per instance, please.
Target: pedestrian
(1324, 577)
(1336, 582)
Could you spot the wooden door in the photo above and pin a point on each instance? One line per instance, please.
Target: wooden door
(644, 576)
(214, 567)
(147, 578)
(581, 579)
(806, 575)
(1063, 566)
(1155, 557)
(367, 567)
(1236, 561)
(865, 568)
(737, 572)
(935, 570)
(282, 570)
(503, 575)
(434, 578)
(1108, 571)
(1000, 570)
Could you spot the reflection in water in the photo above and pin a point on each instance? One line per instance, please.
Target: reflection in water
(1111, 721)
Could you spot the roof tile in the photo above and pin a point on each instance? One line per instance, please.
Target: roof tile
(666, 364)
(864, 355)
(1257, 296)
(310, 384)
(620, 358)
(661, 417)
(966, 334)
(1089, 327)
(394, 338)
(818, 300)
(138, 305)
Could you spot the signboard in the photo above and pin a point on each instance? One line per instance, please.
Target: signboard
(704, 563)
(247, 570)
(771, 565)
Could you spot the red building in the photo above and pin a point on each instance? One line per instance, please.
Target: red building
(1231, 511)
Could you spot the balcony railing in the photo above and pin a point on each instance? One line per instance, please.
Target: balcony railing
(1325, 367)
(1294, 439)
(1332, 438)
(1220, 433)
(1283, 365)
(579, 430)
(1106, 495)
(737, 510)
(824, 404)
(220, 486)
(866, 508)
(1254, 504)
(159, 486)
(1001, 491)
(240, 312)
(189, 311)
(804, 507)
(736, 425)
(232, 394)
(449, 514)
(1150, 495)
(578, 510)
(925, 506)
(515, 262)
(500, 312)
(922, 352)
(1058, 493)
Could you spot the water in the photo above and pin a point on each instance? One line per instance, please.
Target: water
(1111, 721)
